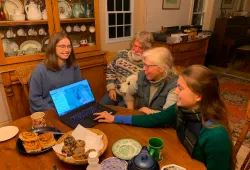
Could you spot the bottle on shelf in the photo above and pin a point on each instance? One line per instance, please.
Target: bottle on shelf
(93, 161)
(89, 9)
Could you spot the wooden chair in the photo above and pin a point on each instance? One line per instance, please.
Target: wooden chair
(23, 74)
(240, 140)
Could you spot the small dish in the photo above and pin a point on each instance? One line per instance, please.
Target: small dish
(75, 45)
(114, 163)
(172, 167)
(126, 148)
(90, 44)
(8, 132)
(19, 143)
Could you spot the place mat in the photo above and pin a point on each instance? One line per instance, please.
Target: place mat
(114, 163)
(126, 148)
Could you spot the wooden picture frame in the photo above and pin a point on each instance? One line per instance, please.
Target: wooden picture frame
(171, 4)
(227, 4)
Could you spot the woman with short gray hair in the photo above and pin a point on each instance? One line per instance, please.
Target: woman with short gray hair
(154, 89)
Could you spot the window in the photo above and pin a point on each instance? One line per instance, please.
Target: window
(119, 20)
(198, 12)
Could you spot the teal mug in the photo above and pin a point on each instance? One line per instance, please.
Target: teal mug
(155, 146)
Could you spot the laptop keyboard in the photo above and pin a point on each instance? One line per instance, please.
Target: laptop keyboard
(87, 112)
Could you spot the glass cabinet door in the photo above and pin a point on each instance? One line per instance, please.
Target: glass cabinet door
(78, 19)
(24, 30)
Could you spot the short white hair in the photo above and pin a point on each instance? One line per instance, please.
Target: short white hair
(161, 57)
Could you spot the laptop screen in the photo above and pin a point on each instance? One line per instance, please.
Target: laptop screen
(72, 96)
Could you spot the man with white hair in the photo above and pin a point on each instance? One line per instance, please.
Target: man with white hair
(126, 63)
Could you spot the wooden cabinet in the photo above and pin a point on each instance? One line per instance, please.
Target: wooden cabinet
(187, 53)
(91, 58)
(229, 33)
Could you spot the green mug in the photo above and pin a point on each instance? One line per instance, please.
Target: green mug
(155, 146)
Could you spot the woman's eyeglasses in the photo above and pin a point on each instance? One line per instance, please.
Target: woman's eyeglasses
(147, 66)
(65, 46)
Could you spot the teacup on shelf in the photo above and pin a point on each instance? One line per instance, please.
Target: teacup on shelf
(21, 32)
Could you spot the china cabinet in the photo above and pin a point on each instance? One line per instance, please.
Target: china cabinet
(25, 33)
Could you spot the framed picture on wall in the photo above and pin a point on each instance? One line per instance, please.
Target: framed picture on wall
(171, 4)
(227, 4)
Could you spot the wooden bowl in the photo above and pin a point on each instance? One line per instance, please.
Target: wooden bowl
(85, 161)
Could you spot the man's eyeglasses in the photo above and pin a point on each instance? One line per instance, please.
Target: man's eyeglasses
(65, 46)
(147, 66)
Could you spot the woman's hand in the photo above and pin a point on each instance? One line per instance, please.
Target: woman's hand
(104, 117)
(147, 110)
(112, 94)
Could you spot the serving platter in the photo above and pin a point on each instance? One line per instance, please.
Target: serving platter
(19, 143)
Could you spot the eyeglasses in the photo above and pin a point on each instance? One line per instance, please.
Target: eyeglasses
(65, 46)
(147, 66)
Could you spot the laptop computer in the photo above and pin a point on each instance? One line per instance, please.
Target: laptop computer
(75, 104)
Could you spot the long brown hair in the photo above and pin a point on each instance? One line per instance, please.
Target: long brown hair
(51, 61)
(204, 82)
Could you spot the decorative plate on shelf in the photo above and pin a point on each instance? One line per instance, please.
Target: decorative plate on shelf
(30, 44)
(64, 9)
(114, 163)
(9, 45)
(126, 148)
(11, 6)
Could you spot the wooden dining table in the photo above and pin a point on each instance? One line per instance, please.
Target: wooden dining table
(173, 151)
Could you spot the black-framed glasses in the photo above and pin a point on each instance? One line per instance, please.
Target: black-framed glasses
(65, 46)
(147, 66)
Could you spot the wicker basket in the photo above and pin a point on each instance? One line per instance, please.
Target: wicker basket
(85, 161)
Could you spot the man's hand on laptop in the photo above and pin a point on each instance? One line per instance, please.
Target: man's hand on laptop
(104, 117)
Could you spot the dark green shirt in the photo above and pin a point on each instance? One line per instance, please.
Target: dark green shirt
(213, 147)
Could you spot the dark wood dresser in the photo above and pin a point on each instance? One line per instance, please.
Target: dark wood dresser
(187, 53)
